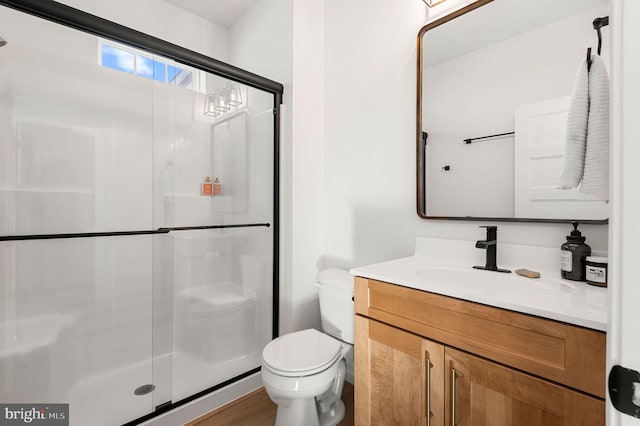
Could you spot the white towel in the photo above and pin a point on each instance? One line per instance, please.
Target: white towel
(586, 157)
(595, 182)
(576, 133)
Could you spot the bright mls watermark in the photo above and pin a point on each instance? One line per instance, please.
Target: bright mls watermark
(34, 414)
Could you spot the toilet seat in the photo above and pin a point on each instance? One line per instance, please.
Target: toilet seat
(302, 353)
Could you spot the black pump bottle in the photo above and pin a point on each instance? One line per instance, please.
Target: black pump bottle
(573, 255)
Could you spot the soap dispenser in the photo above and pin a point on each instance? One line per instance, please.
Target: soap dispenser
(217, 187)
(206, 188)
(573, 256)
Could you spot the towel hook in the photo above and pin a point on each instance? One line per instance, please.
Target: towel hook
(598, 23)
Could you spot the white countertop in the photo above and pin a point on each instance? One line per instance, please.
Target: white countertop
(549, 296)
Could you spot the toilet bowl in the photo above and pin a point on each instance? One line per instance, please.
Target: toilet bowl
(304, 372)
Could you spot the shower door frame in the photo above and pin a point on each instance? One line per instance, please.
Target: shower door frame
(91, 24)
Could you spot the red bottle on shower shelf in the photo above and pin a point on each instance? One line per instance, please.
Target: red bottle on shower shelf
(207, 188)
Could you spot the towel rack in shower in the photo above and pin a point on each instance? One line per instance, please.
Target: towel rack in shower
(598, 23)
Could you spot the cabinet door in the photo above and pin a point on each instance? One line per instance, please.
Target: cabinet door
(480, 392)
(399, 377)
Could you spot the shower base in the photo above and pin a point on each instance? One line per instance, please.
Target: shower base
(108, 398)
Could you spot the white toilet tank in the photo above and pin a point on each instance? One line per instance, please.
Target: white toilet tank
(335, 291)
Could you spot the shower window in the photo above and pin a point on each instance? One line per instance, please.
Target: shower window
(118, 59)
(134, 61)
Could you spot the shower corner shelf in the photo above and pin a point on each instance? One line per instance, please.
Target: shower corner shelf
(196, 196)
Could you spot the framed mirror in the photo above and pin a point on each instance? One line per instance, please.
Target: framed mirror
(494, 80)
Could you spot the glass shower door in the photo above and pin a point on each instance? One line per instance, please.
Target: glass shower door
(75, 161)
(129, 282)
(219, 131)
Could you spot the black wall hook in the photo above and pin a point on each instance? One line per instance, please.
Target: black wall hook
(598, 23)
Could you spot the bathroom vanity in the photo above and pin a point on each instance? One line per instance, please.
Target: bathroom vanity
(503, 350)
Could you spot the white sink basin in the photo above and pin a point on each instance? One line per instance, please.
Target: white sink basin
(493, 282)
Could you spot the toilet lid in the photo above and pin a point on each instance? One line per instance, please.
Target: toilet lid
(301, 353)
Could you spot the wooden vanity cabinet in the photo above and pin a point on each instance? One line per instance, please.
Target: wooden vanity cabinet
(399, 376)
(490, 394)
(410, 363)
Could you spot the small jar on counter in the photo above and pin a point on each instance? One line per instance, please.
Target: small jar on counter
(596, 270)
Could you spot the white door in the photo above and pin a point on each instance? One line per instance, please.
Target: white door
(623, 334)
(538, 157)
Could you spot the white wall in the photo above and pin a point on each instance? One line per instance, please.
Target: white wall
(162, 20)
(370, 71)
(283, 40)
(261, 41)
(307, 159)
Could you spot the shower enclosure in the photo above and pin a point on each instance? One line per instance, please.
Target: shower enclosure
(128, 284)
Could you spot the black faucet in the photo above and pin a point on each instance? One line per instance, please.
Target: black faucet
(490, 244)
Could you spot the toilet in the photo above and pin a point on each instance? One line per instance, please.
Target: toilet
(304, 372)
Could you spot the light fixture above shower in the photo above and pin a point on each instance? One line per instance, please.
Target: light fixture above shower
(222, 100)
(3, 42)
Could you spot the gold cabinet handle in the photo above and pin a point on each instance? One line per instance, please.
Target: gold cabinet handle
(454, 375)
(429, 365)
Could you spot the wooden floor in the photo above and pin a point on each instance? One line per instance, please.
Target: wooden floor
(256, 409)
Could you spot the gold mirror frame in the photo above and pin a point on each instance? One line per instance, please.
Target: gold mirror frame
(421, 202)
